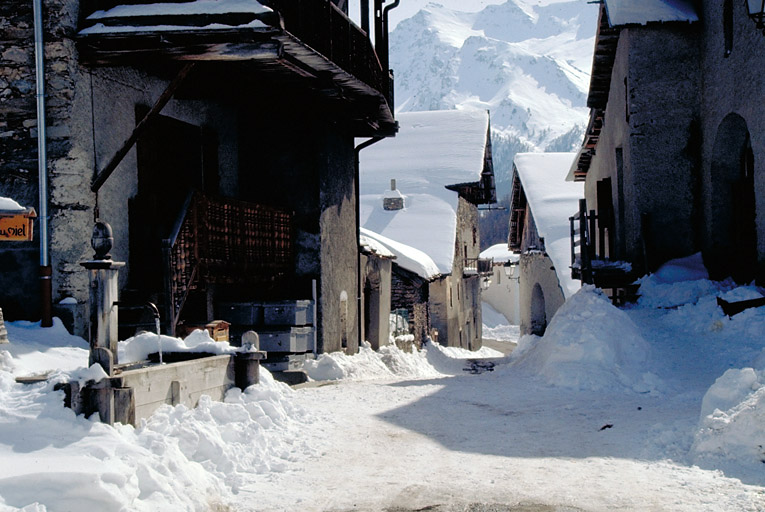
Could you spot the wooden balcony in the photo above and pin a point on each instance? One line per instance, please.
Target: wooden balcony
(293, 45)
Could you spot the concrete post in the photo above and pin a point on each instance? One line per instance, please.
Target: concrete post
(104, 289)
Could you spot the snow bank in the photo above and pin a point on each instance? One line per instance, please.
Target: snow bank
(502, 332)
(730, 436)
(589, 345)
(8, 204)
(180, 459)
(35, 350)
(141, 345)
(390, 361)
(677, 282)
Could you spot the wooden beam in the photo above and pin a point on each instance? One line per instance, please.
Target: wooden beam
(102, 176)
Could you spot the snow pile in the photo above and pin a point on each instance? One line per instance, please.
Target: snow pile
(255, 431)
(8, 204)
(35, 350)
(141, 345)
(731, 435)
(95, 373)
(589, 345)
(390, 361)
(180, 459)
(502, 332)
(679, 281)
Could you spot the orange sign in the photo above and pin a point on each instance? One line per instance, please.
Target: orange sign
(17, 227)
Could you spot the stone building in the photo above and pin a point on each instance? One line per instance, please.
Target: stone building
(377, 271)
(674, 154)
(502, 291)
(540, 205)
(422, 191)
(219, 145)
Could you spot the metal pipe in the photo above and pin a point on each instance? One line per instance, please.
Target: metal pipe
(357, 178)
(42, 168)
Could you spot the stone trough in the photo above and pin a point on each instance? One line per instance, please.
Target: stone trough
(135, 391)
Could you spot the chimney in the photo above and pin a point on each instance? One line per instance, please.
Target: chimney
(393, 199)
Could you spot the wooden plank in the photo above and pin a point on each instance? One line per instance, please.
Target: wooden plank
(101, 177)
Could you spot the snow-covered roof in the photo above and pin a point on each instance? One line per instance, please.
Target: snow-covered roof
(500, 253)
(409, 258)
(372, 246)
(196, 7)
(432, 150)
(132, 15)
(552, 200)
(630, 12)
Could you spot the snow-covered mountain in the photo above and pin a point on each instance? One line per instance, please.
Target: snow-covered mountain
(527, 62)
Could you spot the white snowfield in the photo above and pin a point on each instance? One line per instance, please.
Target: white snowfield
(659, 406)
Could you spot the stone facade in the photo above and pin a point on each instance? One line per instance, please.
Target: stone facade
(646, 132)
(18, 133)
(539, 292)
(294, 155)
(503, 293)
(376, 296)
(683, 141)
(455, 300)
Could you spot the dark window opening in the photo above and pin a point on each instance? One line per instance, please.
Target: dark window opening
(728, 26)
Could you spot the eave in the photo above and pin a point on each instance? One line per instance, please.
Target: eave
(268, 54)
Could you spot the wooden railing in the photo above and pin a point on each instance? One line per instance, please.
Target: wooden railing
(478, 266)
(223, 241)
(181, 259)
(582, 227)
(324, 27)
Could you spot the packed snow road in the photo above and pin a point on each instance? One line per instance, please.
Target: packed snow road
(657, 407)
(491, 439)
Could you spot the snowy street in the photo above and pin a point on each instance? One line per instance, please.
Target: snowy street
(462, 440)
(654, 407)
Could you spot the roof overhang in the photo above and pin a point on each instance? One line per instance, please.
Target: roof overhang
(260, 51)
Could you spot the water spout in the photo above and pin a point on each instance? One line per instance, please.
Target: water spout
(155, 312)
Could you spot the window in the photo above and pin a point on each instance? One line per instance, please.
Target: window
(728, 26)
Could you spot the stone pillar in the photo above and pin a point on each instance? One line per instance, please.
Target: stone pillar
(104, 289)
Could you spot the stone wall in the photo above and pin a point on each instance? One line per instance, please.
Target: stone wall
(732, 84)
(503, 294)
(650, 121)
(376, 286)
(537, 269)
(338, 317)
(18, 132)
